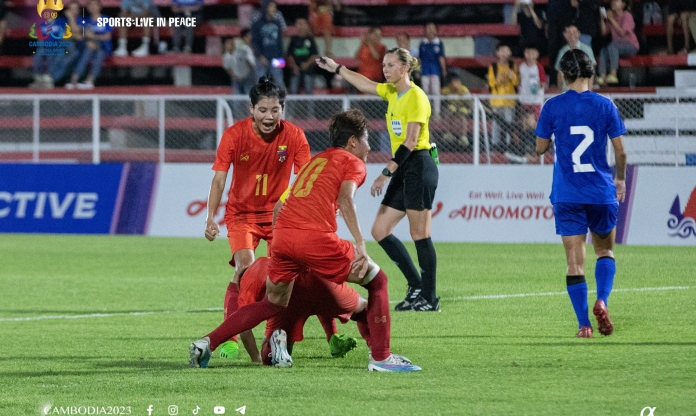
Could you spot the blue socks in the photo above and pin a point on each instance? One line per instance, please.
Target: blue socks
(605, 269)
(577, 290)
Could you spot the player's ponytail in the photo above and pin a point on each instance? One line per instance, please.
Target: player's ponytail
(576, 64)
(266, 88)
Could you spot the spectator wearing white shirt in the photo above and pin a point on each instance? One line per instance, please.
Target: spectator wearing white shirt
(240, 63)
(533, 82)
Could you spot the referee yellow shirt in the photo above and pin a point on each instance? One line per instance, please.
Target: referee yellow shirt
(412, 106)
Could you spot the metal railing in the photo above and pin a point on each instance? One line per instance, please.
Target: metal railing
(473, 129)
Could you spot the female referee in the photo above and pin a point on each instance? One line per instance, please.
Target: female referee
(412, 170)
(584, 193)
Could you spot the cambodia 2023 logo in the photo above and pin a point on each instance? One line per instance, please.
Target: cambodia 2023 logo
(52, 34)
(683, 224)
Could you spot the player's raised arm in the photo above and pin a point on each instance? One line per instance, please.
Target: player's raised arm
(362, 83)
(346, 204)
(217, 187)
(620, 159)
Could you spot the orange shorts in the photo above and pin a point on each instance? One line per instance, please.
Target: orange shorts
(322, 23)
(243, 235)
(314, 296)
(324, 253)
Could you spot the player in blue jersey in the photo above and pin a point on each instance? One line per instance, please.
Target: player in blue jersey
(584, 193)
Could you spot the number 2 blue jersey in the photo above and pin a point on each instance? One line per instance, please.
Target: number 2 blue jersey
(581, 123)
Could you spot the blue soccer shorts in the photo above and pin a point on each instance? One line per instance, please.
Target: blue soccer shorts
(575, 219)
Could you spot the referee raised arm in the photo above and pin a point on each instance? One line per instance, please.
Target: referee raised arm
(413, 174)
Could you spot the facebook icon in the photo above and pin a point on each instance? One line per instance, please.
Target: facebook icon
(149, 410)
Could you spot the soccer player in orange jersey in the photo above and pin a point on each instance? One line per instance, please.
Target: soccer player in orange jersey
(313, 296)
(263, 149)
(304, 236)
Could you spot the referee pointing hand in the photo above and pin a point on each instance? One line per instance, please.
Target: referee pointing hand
(412, 171)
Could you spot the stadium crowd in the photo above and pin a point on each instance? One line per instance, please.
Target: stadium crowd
(609, 29)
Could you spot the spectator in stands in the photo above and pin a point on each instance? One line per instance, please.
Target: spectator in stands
(97, 48)
(49, 68)
(457, 112)
(532, 26)
(433, 66)
(3, 23)
(572, 37)
(587, 19)
(559, 14)
(186, 8)
(228, 49)
(370, 55)
(502, 80)
(262, 11)
(241, 64)
(245, 12)
(63, 64)
(692, 26)
(302, 51)
(134, 8)
(403, 40)
(624, 42)
(682, 9)
(533, 81)
(267, 42)
(523, 147)
(321, 18)
(454, 86)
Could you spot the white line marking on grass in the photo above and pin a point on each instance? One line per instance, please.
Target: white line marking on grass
(101, 315)
(524, 295)
(454, 299)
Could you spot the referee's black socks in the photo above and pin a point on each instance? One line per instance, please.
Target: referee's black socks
(397, 252)
(427, 259)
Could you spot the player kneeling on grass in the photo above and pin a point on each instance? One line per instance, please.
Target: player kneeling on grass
(584, 194)
(313, 296)
(305, 237)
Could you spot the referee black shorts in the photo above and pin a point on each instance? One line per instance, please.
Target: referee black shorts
(413, 184)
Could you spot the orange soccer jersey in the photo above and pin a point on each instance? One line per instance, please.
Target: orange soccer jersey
(313, 198)
(261, 170)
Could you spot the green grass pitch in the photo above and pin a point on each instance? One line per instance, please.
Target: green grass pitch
(106, 321)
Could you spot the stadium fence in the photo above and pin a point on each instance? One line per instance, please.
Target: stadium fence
(471, 129)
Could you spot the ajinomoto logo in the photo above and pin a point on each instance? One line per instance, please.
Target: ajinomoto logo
(683, 224)
(52, 33)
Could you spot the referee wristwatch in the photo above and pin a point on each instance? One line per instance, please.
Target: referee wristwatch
(386, 172)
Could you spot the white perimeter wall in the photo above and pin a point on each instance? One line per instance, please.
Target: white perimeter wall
(472, 204)
(485, 203)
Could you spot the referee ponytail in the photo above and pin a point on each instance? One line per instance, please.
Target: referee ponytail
(405, 58)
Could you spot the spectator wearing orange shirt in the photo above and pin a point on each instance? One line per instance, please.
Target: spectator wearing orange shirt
(321, 19)
(370, 55)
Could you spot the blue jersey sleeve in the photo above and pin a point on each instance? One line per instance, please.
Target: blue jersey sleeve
(615, 126)
(544, 128)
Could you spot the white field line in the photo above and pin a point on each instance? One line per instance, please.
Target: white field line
(454, 299)
(525, 295)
